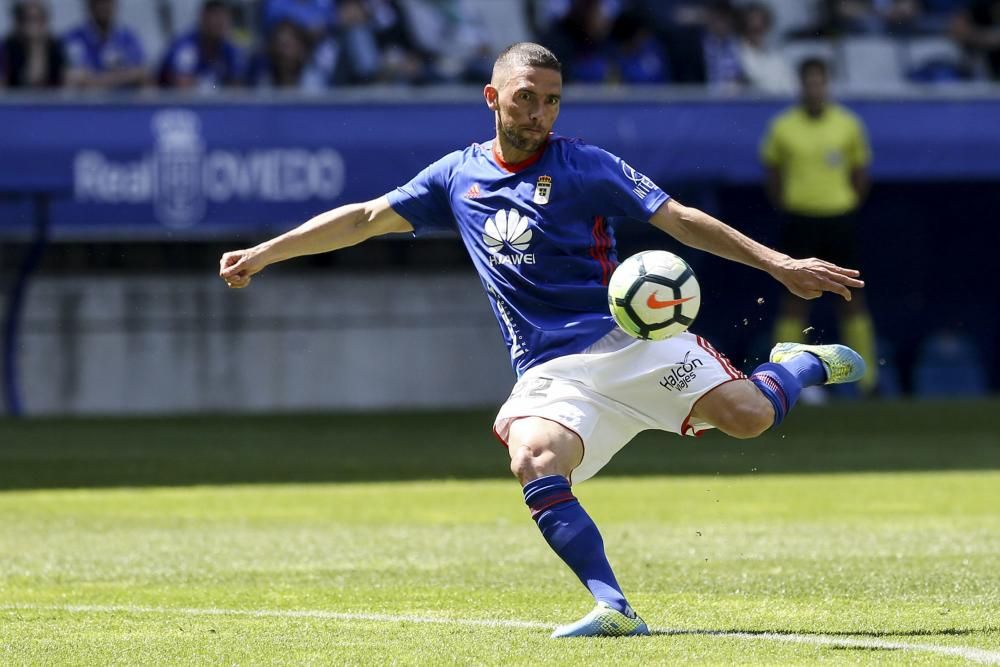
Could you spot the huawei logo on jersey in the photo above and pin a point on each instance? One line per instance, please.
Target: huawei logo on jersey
(507, 235)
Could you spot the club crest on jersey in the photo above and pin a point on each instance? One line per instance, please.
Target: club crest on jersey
(542, 189)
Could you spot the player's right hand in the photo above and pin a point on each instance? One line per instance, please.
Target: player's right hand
(238, 266)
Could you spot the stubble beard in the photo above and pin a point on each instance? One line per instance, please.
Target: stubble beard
(509, 133)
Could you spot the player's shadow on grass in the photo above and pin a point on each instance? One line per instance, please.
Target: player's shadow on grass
(880, 634)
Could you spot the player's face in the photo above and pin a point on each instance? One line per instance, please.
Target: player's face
(814, 89)
(527, 107)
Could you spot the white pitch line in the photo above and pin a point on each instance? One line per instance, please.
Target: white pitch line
(969, 653)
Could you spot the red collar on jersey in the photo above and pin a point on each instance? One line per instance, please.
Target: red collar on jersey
(515, 167)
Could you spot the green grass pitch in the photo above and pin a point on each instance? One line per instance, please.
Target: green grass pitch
(857, 533)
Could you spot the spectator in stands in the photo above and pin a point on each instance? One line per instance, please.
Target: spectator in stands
(639, 56)
(817, 157)
(542, 15)
(402, 59)
(314, 16)
(353, 41)
(721, 48)
(938, 14)
(977, 29)
(679, 25)
(454, 37)
(103, 55)
(313, 20)
(871, 16)
(580, 41)
(30, 57)
(765, 68)
(204, 58)
(285, 61)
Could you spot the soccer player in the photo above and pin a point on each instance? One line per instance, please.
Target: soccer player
(530, 207)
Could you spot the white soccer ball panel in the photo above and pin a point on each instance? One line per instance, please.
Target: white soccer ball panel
(690, 308)
(624, 275)
(663, 263)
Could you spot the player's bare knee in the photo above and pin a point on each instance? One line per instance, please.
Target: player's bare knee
(532, 460)
(539, 447)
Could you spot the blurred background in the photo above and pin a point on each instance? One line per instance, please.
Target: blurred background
(140, 139)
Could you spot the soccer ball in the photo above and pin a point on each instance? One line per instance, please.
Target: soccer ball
(654, 295)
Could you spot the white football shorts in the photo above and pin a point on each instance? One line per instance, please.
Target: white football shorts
(616, 388)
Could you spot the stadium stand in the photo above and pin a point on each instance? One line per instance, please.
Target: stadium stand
(872, 63)
(793, 16)
(933, 59)
(795, 51)
(448, 41)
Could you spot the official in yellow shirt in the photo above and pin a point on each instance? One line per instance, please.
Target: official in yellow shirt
(817, 156)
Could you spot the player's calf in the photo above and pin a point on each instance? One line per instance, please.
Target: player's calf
(736, 408)
(543, 455)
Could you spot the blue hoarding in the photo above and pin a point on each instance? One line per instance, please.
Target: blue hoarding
(173, 170)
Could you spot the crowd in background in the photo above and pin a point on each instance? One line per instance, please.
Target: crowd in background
(313, 45)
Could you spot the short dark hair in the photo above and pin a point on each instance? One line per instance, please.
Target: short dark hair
(813, 63)
(523, 54)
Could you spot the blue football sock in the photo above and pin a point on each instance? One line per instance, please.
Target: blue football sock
(782, 383)
(779, 385)
(572, 534)
(807, 368)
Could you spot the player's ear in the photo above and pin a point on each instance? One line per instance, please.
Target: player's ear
(492, 97)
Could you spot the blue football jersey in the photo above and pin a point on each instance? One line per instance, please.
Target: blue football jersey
(185, 57)
(86, 49)
(537, 233)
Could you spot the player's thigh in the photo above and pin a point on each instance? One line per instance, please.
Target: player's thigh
(736, 408)
(540, 446)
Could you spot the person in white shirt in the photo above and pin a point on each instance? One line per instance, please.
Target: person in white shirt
(763, 65)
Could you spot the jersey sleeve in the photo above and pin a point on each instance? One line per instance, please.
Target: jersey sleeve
(620, 189)
(859, 154)
(425, 202)
(770, 150)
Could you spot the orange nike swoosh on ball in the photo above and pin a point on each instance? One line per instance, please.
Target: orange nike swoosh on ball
(653, 302)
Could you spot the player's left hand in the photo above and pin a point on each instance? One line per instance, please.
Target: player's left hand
(809, 278)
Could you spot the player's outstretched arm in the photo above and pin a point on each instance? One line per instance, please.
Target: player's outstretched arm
(337, 228)
(807, 278)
